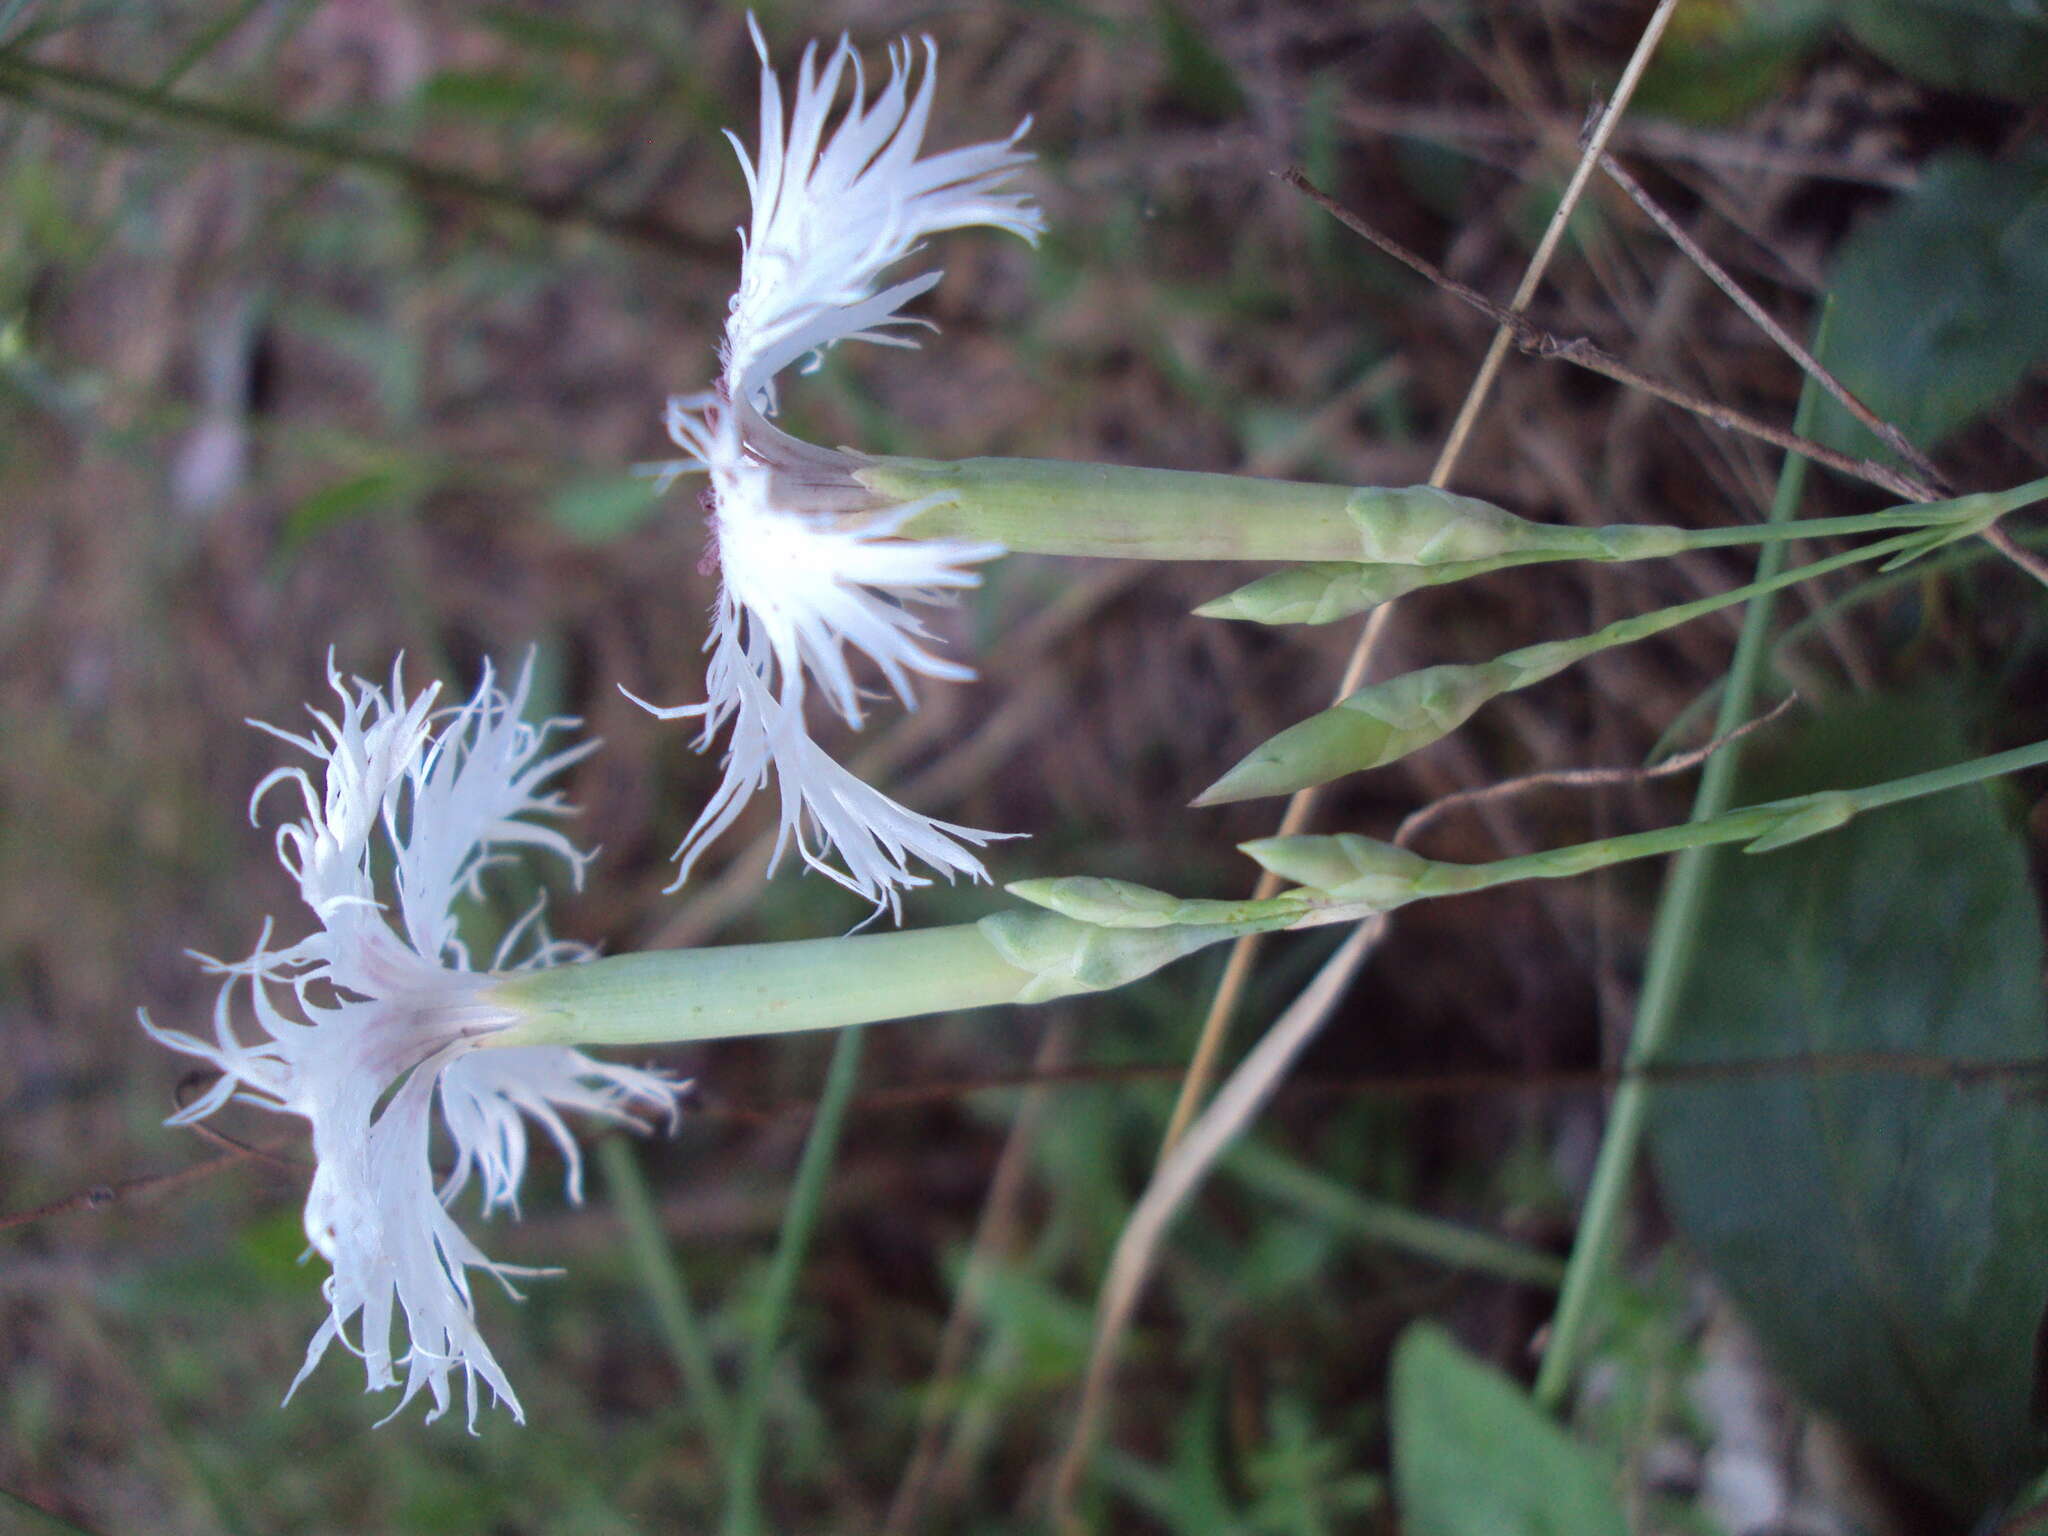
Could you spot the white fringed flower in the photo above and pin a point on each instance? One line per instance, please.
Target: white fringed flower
(370, 1017)
(810, 563)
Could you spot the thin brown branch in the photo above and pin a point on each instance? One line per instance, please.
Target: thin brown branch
(97, 1197)
(1583, 352)
(1662, 140)
(1579, 778)
(1885, 432)
(1183, 1164)
(2017, 553)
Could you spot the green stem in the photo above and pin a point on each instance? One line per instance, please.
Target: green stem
(1344, 1209)
(662, 1278)
(1051, 507)
(1869, 590)
(1386, 721)
(767, 989)
(1776, 823)
(1535, 663)
(1672, 944)
(758, 989)
(806, 1197)
(1343, 877)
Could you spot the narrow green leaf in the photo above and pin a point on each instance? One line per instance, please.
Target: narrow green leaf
(668, 1294)
(1199, 77)
(545, 33)
(1886, 1235)
(1344, 1210)
(377, 491)
(1474, 1457)
(487, 93)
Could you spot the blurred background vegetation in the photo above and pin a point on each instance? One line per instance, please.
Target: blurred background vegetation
(337, 325)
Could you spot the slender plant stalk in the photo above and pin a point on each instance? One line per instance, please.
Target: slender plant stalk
(806, 1197)
(1672, 943)
(1208, 1049)
(1387, 721)
(1301, 806)
(1344, 1209)
(667, 1293)
(1346, 876)
(1116, 511)
(1869, 590)
(667, 996)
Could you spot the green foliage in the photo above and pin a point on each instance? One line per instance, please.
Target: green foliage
(373, 493)
(1197, 76)
(1720, 58)
(602, 509)
(1941, 301)
(1340, 1209)
(1886, 1234)
(1295, 1481)
(1978, 47)
(546, 33)
(1474, 1457)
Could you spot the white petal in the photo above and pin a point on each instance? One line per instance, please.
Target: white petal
(833, 211)
(384, 1019)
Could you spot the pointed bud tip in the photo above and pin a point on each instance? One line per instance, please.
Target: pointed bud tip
(1220, 793)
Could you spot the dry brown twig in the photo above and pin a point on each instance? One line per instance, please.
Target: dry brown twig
(1675, 232)
(97, 1197)
(1578, 778)
(1926, 483)
(1583, 352)
(1184, 1162)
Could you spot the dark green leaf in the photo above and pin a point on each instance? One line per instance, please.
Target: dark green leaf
(1941, 302)
(487, 93)
(1474, 1457)
(358, 496)
(1720, 59)
(1886, 1234)
(544, 33)
(1199, 77)
(1980, 47)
